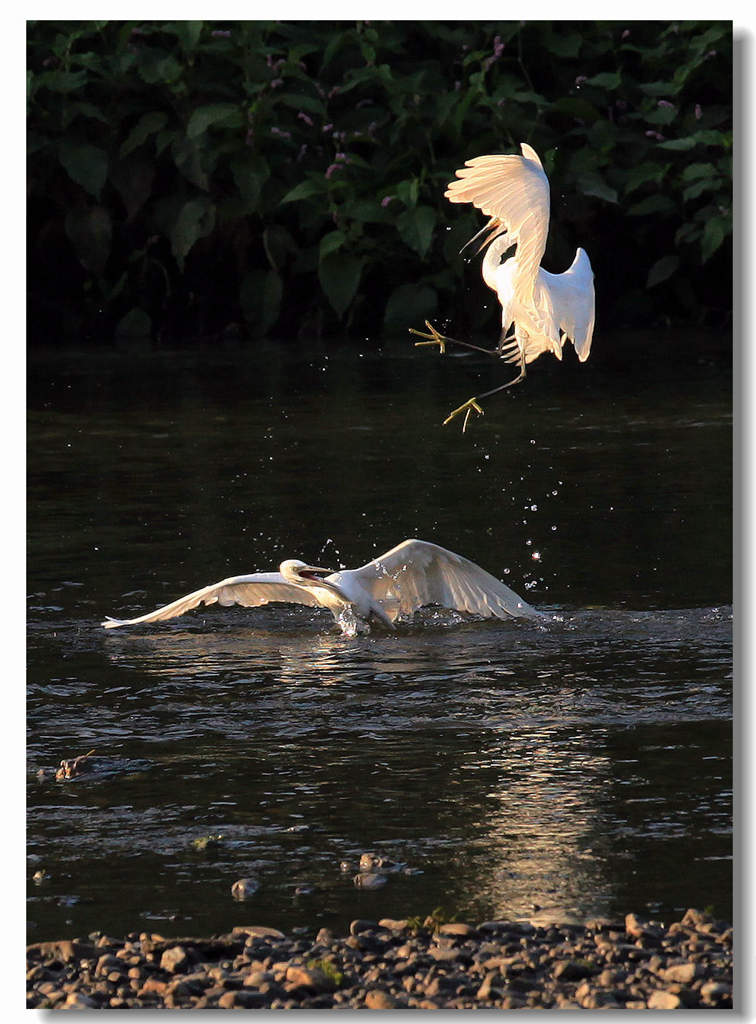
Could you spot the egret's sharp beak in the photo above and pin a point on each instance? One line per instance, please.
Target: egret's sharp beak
(494, 228)
(314, 572)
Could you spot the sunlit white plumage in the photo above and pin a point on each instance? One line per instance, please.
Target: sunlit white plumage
(559, 308)
(413, 574)
(514, 192)
(541, 309)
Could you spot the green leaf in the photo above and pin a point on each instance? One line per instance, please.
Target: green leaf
(609, 80)
(652, 204)
(147, 125)
(212, 113)
(301, 101)
(658, 88)
(687, 233)
(662, 269)
(196, 218)
(81, 108)
(62, 81)
(408, 191)
(330, 243)
(715, 231)
(409, 305)
(367, 211)
(305, 189)
(712, 137)
(594, 185)
(693, 171)
(333, 45)
(661, 115)
(416, 228)
(250, 174)
(576, 106)
(643, 174)
(90, 231)
(133, 178)
(277, 242)
(85, 164)
(188, 155)
(134, 324)
(156, 67)
(699, 187)
(188, 33)
(528, 96)
(339, 276)
(678, 144)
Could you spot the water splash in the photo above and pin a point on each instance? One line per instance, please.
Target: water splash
(350, 624)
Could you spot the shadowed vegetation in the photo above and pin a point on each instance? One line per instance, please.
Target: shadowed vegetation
(191, 179)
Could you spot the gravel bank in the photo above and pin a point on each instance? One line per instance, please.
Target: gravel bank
(635, 963)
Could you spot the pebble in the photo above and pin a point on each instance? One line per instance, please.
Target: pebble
(392, 924)
(244, 887)
(396, 964)
(457, 929)
(256, 931)
(377, 999)
(682, 973)
(173, 959)
(661, 1000)
(360, 925)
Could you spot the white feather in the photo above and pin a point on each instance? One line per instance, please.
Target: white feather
(413, 574)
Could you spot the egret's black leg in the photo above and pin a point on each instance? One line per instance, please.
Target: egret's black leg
(505, 341)
(435, 338)
(473, 403)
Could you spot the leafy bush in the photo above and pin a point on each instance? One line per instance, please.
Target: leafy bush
(187, 178)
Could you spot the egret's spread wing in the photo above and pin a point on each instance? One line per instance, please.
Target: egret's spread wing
(573, 302)
(255, 589)
(416, 573)
(514, 192)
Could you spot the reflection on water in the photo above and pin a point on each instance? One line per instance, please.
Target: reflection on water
(551, 769)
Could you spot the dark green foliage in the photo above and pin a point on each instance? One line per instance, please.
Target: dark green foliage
(286, 178)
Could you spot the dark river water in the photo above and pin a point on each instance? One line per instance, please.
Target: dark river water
(563, 768)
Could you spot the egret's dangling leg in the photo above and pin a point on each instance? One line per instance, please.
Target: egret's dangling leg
(473, 403)
(435, 338)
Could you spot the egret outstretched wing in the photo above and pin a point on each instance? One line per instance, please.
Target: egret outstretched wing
(250, 591)
(514, 192)
(417, 573)
(573, 302)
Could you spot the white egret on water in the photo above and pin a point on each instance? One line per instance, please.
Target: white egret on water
(542, 309)
(413, 574)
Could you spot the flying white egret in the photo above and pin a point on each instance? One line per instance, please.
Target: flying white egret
(413, 574)
(544, 308)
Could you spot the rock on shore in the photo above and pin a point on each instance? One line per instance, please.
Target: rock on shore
(388, 964)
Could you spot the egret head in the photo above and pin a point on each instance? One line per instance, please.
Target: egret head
(294, 570)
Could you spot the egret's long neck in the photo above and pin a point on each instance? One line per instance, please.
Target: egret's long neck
(492, 259)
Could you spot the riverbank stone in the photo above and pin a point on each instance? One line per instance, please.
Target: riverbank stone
(396, 964)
